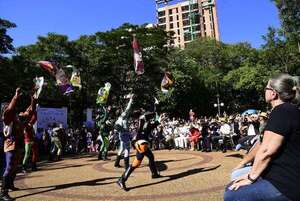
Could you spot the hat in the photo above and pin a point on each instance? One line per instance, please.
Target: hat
(263, 114)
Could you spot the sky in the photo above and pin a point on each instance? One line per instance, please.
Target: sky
(239, 20)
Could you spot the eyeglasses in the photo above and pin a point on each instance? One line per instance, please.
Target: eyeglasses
(268, 88)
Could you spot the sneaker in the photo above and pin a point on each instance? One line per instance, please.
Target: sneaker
(121, 183)
(154, 176)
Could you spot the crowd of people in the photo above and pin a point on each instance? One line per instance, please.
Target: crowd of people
(271, 139)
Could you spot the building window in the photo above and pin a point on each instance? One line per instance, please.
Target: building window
(178, 32)
(186, 22)
(194, 6)
(197, 28)
(171, 18)
(170, 12)
(163, 27)
(185, 16)
(161, 13)
(203, 19)
(176, 10)
(162, 20)
(187, 36)
(171, 26)
(184, 8)
(197, 19)
(177, 17)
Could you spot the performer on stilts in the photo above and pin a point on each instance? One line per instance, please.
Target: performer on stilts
(142, 149)
(13, 133)
(122, 128)
(101, 121)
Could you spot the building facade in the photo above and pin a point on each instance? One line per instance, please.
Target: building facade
(188, 20)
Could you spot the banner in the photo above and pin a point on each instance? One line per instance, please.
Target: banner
(38, 85)
(48, 116)
(48, 66)
(103, 94)
(137, 57)
(75, 78)
(167, 82)
(62, 80)
(63, 83)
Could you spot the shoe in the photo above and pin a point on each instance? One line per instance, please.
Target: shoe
(13, 188)
(122, 184)
(154, 176)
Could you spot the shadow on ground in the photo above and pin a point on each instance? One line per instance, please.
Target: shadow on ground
(177, 176)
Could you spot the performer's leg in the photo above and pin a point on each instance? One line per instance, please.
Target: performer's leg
(136, 163)
(152, 164)
(26, 155)
(105, 147)
(6, 176)
(34, 156)
(126, 155)
(121, 150)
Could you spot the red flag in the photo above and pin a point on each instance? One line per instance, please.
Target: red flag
(48, 66)
(137, 57)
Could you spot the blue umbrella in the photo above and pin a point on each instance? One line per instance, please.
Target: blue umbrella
(249, 112)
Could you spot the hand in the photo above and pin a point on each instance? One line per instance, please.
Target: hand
(239, 182)
(18, 92)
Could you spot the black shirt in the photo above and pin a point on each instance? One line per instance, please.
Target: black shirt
(284, 169)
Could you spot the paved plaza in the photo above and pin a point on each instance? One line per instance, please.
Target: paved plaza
(187, 175)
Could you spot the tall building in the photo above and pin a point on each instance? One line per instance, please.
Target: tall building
(188, 19)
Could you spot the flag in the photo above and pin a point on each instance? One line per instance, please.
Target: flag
(167, 82)
(63, 82)
(38, 85)
(48, 66)
(137, 57)
(75, 78)
(103, 94)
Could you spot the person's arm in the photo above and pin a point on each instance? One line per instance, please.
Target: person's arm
(128, 107)
(269, 147)
(249, 157)
(7, 115)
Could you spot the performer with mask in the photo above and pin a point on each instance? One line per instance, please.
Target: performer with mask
(122, 128)
(142, 149)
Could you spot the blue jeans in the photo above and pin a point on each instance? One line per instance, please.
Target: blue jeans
(239, 172)
(261, 190)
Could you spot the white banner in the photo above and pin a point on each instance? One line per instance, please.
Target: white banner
(48, 116)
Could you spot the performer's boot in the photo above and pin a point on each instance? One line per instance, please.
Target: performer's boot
(34, 168)
(11, 185)
(105, 156)
(100, 155)
(154, 171)
(4, 190)
(117, 162)
(126, 162)
(24, 168)
(121, 181)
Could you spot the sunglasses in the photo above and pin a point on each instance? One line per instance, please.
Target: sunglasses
(268, 88)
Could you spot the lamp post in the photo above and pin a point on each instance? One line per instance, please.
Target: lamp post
(219, 105)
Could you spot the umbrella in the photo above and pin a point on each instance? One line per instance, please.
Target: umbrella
(249, 112)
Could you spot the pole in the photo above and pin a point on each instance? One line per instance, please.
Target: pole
(218, 103)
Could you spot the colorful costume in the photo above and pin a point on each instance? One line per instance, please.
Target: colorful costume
(142, 149)
(101, 119)
(122, 128)
(12, 146)
(29, 135)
